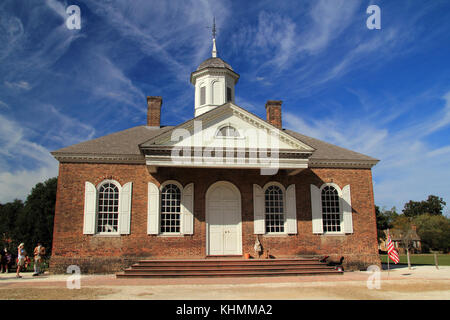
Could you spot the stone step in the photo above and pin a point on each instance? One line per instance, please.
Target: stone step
(227, 268)
(234, 274)
(224, 269)
(228, 262)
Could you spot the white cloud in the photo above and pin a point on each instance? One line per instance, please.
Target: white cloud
(276, 34)
(16, 181)
(4, 105)
(409, 168)
(329, 19)
(162, 38)
(18, 85)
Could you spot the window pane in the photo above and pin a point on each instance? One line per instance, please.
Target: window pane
(274, 209)
(202, 95)
(330, 210)
(228, 94)
(108, 208)
(228, 131)
(170, 208)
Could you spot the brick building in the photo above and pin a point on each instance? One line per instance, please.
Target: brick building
(210, 187)
(398, 237)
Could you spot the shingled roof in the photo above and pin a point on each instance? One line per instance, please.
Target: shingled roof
(328, 151)
(126, 143)
(214, 63)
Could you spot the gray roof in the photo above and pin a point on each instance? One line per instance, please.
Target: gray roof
(124, 142)
(214, 63)
(328, 151)
(127, 142)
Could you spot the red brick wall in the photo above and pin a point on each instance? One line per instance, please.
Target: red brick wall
(70, 246)
(273, 111)
(154, 111)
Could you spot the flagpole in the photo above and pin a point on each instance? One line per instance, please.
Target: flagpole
(388, 255)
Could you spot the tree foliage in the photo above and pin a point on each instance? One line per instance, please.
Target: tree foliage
(32, 221)
(432, 227)
(384, 218)
(434, 231)
(433, 206)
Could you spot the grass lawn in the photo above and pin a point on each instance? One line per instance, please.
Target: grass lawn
(421, 259)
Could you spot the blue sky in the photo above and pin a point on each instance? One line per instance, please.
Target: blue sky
(385, 93)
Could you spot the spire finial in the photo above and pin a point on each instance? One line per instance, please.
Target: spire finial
(214, 28)
(214, 50)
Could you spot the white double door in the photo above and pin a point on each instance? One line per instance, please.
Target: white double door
(224, 220)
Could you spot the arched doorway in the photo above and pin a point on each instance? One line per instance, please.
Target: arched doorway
(223, 219)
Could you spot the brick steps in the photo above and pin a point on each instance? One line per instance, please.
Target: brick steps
(220, 264)
(220, 274)
(226, 268)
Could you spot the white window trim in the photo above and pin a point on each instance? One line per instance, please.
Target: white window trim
(202, 85)
(216, 136)
(169, 234)
(283, 189)
(117, 184)
(341, 212)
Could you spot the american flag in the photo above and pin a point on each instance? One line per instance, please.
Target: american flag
(392, 253)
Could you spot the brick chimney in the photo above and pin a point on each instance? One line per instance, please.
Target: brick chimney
(273, 109)
(154, 111)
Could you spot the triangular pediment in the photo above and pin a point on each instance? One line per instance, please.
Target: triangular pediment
(252, 132)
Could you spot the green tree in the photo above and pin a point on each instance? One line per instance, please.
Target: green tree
(35, 221)
(384, 219)
(433, 206)
(434, 231)
(9, 213)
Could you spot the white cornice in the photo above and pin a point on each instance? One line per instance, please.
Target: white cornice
(329, 163)
(92, 158)
(213, 71)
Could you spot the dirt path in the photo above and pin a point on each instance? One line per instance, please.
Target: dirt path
(422, 282)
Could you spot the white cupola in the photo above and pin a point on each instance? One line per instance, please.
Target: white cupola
(214, 82)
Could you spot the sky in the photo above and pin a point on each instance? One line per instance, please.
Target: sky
(382, 92)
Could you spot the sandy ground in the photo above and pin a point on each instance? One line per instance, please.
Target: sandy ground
(421, 282)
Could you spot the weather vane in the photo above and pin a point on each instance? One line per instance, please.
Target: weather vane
(214, 30)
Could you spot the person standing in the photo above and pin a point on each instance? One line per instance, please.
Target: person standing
(7, 261)
(39, 252)
(20, 258)
(3, 265)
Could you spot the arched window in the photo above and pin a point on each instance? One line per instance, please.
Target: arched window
(108, 208)
(331, 211)
(170, 208)
(229, 99)
(274, 209)
(202, 96)
(227, 131)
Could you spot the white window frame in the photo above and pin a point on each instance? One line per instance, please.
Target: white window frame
(216, 135)
(202, 86)
(341, 212)
(179, 185)
(117, 184)
(283, 190)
